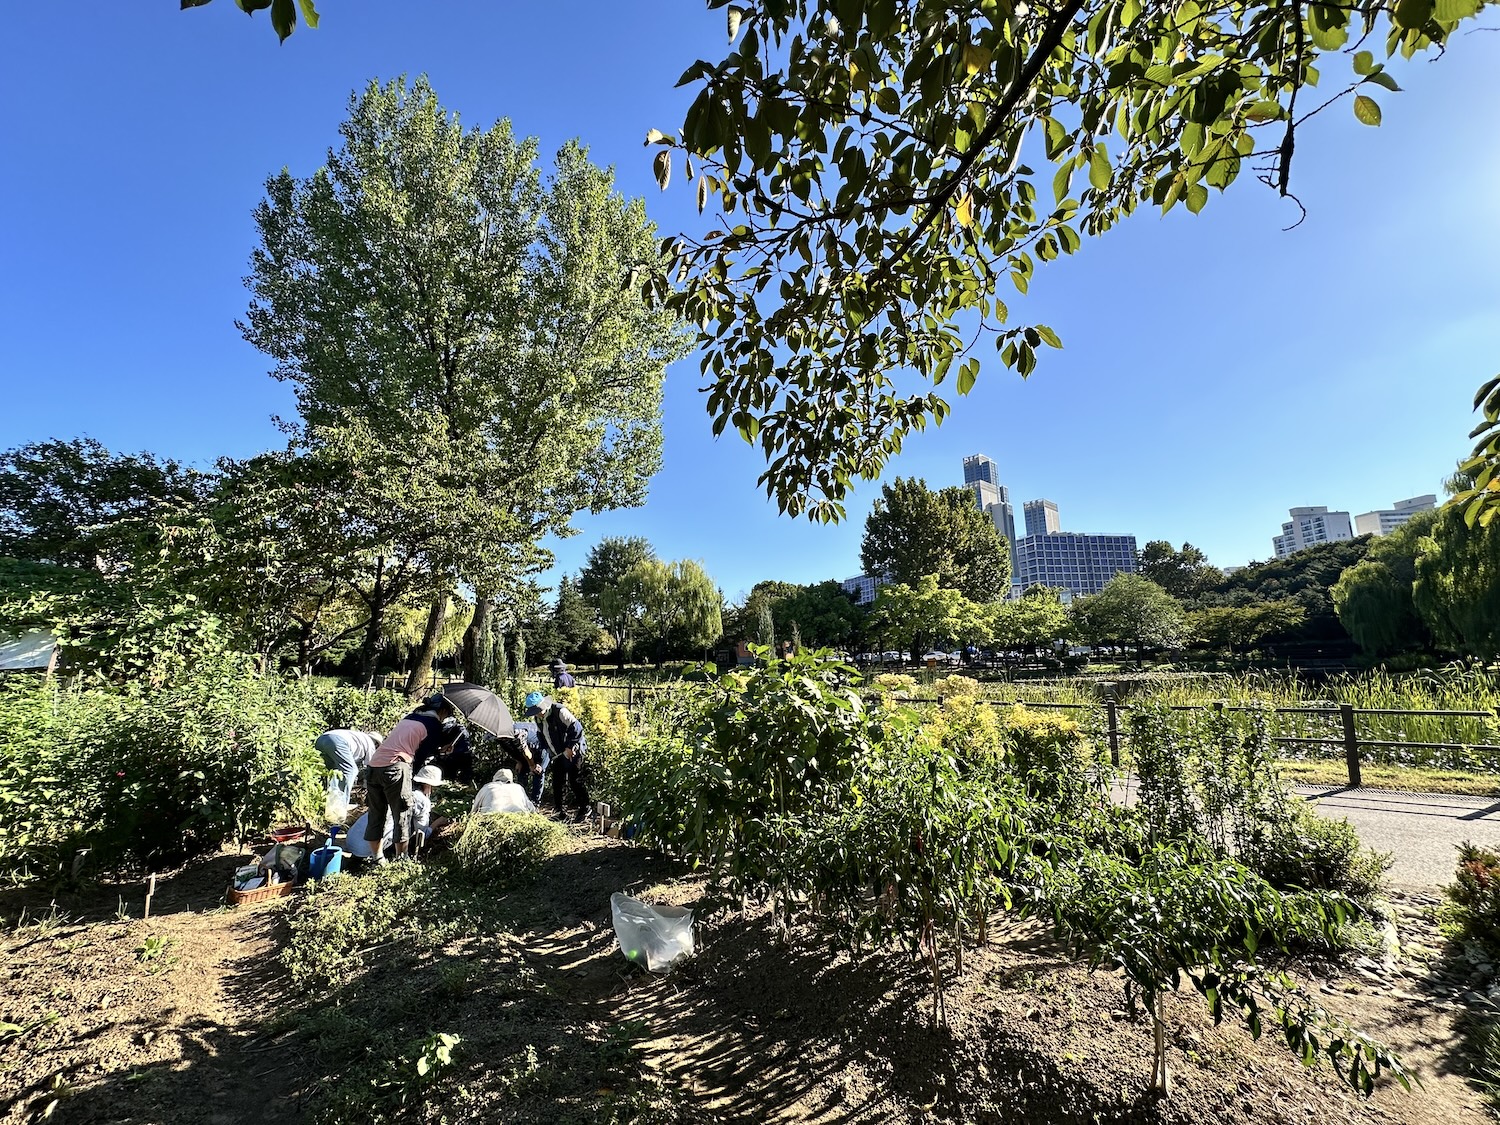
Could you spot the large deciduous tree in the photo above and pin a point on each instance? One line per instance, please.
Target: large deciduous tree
(1457, 589)
(1373, 598)
(888, 170)
(913, 530)
(927, 612)
(1184, 574)
(451, 317)
(1131, 609)
(676, 606)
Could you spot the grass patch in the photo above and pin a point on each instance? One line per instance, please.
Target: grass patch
(507, 849)
(1410, 779)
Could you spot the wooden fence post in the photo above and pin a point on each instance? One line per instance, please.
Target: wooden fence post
(1351, 744)
(1112, 719)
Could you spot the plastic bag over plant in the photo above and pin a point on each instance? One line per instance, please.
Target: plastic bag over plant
(659, 936)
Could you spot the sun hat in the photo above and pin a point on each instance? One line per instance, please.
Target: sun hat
(428, 775)
(505, 777)
(534, 702)
(558, 665)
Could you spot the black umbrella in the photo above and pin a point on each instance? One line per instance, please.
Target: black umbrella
(481, 707)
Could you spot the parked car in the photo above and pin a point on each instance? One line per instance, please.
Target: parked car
(940, 657)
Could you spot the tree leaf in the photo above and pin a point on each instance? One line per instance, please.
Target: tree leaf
(654, 136)
(1412, 13)
(1383, 78)
(702, 193)
(309, 13)
(735, 14)
(964, 211)
(661, 166)
(1099, 169)
(976, 58)
(1364, 62)
(967, 374)
(1366, 112)
(283, 17)
(1451, 11)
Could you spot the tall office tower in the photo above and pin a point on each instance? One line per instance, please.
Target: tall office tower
(1310, 526)
(983, 479)
(1386, 520)
(1073, 561)
(1041, 517)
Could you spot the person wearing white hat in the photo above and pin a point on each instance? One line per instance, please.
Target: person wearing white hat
(423, 782)
(503, 795)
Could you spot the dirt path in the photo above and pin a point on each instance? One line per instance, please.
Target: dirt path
(752, 1030)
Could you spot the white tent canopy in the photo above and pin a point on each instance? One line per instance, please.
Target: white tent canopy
(31, 651)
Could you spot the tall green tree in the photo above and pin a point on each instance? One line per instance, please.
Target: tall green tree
(1457, 588)
(1306, 577)
(823, 615)
(608, 562)
(1184, 574)
(887, 171)
(445, 311)
(1237, 627)
(913, 530)
(1373, 598)
(928, 613)
(1037, 619)
(1131, 609)
(573, 622)
(59, 499)
(677, 606)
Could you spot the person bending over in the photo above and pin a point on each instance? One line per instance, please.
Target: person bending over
(561, 735)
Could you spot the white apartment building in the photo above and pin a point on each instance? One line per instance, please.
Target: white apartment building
(1386, 520)
(1310, 526)
(862, 587)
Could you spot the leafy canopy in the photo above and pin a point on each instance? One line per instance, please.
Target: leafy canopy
(885, 171)
(913, 530)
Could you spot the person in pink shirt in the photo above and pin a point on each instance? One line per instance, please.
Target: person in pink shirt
(389, 782)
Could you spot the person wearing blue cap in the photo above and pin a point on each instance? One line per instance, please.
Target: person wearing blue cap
(561, 734)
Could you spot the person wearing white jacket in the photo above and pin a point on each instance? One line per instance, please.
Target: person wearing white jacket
(503, 795)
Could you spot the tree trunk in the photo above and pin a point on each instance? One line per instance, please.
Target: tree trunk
(304, 648)
(476, 637)
(421, 671)
(369, 649)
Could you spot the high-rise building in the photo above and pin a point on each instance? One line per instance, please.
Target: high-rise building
(1386, 520)
(1074, 561)
(1310, 526)
(982, 476)
(1041, 517)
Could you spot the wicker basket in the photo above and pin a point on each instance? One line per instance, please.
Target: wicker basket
(260, 894)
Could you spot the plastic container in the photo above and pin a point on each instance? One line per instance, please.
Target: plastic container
(325, 861)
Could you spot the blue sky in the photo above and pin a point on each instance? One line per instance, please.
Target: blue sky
(1216, 370)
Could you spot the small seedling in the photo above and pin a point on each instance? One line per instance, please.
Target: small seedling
(155, 954)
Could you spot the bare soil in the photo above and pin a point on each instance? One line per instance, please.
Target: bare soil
(558, 1027)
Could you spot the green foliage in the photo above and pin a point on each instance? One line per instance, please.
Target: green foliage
(1131, 609)
(674, 606)
(1184, 574)
(963, 726)
(335, 918)
(927, 613)
(913, 531)
(1474, 896)
(507, 849)
(1236, 627)
(283, 13)
(1303, 849)
(152, 776)
(1054, 759)
(1306, 577)
(1374, 599)
(1457, 590)
(610, 737)
(1036, 620)
(880, 171)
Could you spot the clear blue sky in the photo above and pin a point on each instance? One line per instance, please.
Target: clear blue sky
(1217, 370)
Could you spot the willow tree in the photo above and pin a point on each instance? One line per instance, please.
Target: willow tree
(890, 172)
(452, 317)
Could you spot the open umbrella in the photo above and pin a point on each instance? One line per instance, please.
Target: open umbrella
(481, 707)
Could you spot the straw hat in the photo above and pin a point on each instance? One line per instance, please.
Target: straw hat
(428, 775)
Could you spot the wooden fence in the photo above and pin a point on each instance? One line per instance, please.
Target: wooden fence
(1349, 742)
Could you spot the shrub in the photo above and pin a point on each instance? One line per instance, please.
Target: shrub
(946, 686)
(507, 849)
(894, 683)
(609, 735)
(1474, 897)
(335, 918)
(965, 727)
(1051, 755)
(1303, 849)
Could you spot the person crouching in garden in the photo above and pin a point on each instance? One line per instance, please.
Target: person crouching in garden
(561, 677)
(424, 781)
(503, 795)
(453, 754)
(561, 734)
(389, 782)
(346, 753)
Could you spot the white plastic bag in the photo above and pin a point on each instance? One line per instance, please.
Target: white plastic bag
(657, 935)
(336, 803)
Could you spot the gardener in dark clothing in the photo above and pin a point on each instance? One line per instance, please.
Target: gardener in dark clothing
(451, 753)
(561, 734)
(561, 677)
